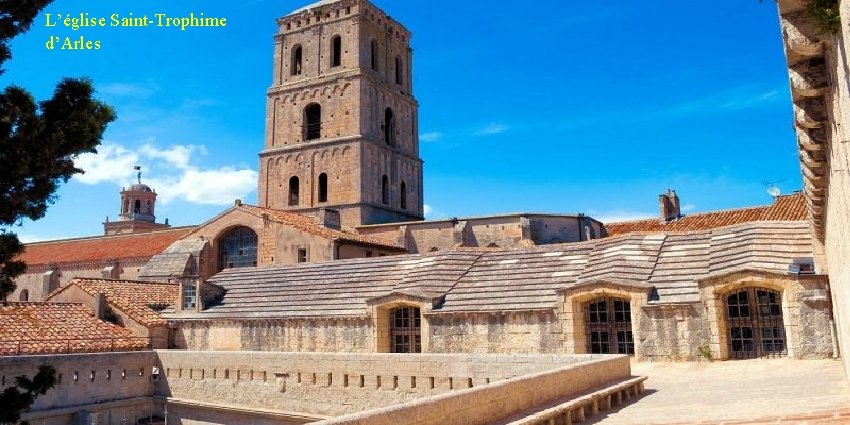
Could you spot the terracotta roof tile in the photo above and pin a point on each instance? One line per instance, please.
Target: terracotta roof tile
(785, 208)
(101, 247)
(310, 225)
(46, 328)
(132, 297)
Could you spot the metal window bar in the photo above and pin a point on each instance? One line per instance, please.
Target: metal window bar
(405, 330)
(755, 325)
(312, 131)
(608, 325)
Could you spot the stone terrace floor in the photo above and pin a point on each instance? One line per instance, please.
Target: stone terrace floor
(753, 392)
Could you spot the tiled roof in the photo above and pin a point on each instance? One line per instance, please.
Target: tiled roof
(785, 208)
(132, 297)
(100, 248)
(44, 328)
(310, 225)
(514, 279)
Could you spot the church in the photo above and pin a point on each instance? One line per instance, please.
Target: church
(337, 256)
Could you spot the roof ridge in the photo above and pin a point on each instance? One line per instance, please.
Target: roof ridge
(727, 210)
(126, 235)
(143, 282)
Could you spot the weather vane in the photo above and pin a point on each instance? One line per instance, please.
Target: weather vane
(139, 175)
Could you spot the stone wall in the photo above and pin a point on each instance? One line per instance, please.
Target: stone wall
(502, 231)
(112, 385)
(498, 401)
(661, 332)
(348, 335)
(805, 311)
(287, 388)
(819, 70)
(505, 332)
(40, 280)
(837, 231)
(672, 332)
(305, 383)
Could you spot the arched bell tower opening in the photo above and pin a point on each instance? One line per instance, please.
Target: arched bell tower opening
(341, 105)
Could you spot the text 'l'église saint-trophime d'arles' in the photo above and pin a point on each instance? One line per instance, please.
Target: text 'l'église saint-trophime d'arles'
(82, 21)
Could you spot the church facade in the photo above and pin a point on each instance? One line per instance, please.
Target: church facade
(336, 256)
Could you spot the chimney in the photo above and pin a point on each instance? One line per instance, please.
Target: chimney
(329, 218)
(668, 203)
(100, 305)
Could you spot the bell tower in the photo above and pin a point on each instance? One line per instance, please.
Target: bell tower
(341, 119)
(137, 210)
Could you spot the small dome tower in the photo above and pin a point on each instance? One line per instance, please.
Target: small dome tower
(137, 210)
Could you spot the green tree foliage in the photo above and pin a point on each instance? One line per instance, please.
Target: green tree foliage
(825, 15)
(18, 398)
(38, 141)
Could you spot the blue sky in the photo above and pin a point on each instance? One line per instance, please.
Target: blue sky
(556, 106)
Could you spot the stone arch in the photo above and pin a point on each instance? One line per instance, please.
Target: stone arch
(575, 302)
(716, 292)
(237, 247)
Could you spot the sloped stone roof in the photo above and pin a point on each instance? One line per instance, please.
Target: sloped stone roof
(310, 225)
(174, 261)
(46, 328)
(787, 207)
(496, 280)
(132, 297)
(81, 250)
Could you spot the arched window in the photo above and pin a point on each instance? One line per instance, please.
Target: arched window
(398, 71)
(336, 51)
(25, 295)
(294, 188)
(374, 56)
(754, 324)
(312, 121)
(126, 206)
(137, 206)
(238, 248)
(297, 54)
(389, 127)
(323, 187)
(608, 326)
(385, 190)
(403, 195)
(433, 249)
(405, 330)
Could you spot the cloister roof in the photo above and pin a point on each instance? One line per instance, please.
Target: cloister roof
(99, 248)
(788, 207)
(43, 328)
(138, 300)
(498, 280)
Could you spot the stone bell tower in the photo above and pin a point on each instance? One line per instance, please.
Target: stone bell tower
(137, 211)
(341, 119)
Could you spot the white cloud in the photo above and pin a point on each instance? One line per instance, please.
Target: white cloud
(175, 177)
(111, 163)
(208, 187)
(177, 155)
(427, 210)
(430, 137)
(688, 207)
(491, 129)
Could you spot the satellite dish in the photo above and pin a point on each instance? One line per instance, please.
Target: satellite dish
(773, 191)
